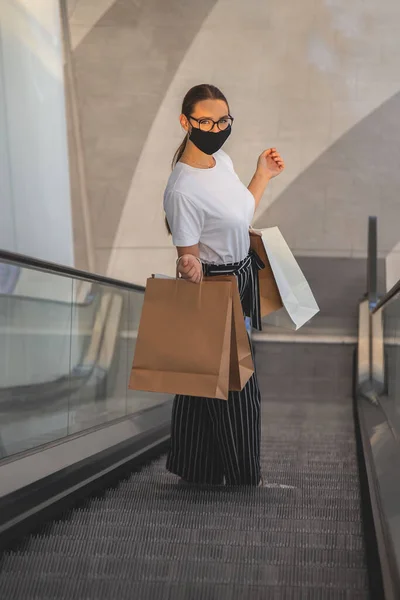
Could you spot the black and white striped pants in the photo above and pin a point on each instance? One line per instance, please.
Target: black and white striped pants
(212, 439)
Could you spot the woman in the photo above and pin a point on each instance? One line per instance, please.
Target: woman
(209, 211)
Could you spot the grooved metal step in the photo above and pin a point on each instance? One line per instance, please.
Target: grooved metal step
(151, 538)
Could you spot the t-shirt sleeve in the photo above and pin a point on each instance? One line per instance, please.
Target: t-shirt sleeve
(184, 218)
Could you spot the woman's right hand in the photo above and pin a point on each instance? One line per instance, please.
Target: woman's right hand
(190, 268)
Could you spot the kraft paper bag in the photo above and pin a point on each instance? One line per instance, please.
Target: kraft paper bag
(184, 338)
(241, 360)
(299, 304)
(270, 299)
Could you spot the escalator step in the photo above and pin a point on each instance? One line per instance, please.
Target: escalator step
(151, 539)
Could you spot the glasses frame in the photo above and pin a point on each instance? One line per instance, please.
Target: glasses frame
(213, 122)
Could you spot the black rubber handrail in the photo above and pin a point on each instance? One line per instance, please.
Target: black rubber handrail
(49, 267)
(372, 262)
(387, 297)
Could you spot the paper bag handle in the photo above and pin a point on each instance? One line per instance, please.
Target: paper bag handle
(180, 258)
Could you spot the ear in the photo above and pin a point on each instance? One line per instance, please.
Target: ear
(184, 123)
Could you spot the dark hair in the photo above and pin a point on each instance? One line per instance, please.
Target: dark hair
(198, 93)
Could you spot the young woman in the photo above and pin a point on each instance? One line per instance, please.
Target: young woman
(208, 212)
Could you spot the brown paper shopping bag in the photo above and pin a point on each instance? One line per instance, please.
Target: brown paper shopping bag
(241, 360)
(270, 298)
(184, 338)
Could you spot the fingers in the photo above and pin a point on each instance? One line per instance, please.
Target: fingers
(189, 274)
(268, 152)
(190, 269)
(186, 264)
(277, 158)
(274, 154)
(192, 274)
(197, 275)
(195, 278)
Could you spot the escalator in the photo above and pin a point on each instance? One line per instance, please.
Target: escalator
(101, 517)
(150, 537)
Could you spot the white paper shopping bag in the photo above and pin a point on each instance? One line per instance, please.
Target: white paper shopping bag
(299, 305)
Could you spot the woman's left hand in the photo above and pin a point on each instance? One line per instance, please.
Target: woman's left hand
(270, 163)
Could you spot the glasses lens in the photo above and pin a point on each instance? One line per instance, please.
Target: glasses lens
(224, 123)
(206, 125)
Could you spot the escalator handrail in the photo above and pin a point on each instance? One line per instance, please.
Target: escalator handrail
(49, 267)
(387, 297)
(372, 262)
(375, 301)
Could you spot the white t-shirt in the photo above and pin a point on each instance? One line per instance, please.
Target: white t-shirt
(212, 208)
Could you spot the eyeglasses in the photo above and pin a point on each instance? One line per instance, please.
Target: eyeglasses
(208, 124)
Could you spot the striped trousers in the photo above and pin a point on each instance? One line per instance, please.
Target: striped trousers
(214, 440)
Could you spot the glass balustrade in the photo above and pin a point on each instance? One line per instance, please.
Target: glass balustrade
(66, 349)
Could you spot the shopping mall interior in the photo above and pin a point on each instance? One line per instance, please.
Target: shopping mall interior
(91, 95)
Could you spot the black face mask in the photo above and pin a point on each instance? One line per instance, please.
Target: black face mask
(208, 141)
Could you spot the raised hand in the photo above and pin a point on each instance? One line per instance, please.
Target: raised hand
(270, 163)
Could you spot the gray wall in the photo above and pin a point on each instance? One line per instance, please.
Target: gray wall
(317, 79)
(35, 193)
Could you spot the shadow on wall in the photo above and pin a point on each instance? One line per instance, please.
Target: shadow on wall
(325, 210)
(123, 69)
